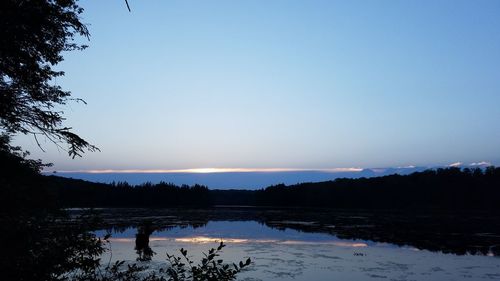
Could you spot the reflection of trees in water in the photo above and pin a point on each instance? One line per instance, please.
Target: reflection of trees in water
(436, 232)
(142, 248)
(144, 231)
(448, 232)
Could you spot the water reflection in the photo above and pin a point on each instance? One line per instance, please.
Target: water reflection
(283, 253)
(142, 248)
(477, 234)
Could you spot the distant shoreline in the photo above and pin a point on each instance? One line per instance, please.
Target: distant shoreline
(233, 180)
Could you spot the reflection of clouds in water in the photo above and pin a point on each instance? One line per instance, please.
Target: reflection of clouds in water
(302, 257)
(205, 240)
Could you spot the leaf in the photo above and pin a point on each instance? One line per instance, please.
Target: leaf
(183, 252)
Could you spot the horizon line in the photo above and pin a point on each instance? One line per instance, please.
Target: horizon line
(257, 170)
(207, 170)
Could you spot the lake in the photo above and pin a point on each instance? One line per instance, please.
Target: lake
(286, 244)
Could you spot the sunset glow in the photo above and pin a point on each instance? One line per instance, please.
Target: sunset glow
(214, 170)
(207, 240)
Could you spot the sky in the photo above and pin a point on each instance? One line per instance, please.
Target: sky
(283, 84)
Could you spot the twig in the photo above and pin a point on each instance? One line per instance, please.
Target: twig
(128, 7)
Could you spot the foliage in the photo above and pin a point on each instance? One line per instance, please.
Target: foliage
(21, 185)
(37, 247)
(210, 269)
(13, 158)
(32, 38)
(181, 268)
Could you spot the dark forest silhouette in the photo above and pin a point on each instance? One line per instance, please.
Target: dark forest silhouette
(446, 189)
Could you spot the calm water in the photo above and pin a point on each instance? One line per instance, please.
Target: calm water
(289, 254)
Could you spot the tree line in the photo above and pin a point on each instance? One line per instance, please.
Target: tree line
(445, 188)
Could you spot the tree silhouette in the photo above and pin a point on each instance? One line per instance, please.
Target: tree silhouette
(142, 248)
(34, 33)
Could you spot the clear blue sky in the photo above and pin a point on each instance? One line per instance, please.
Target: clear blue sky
(288, 84)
